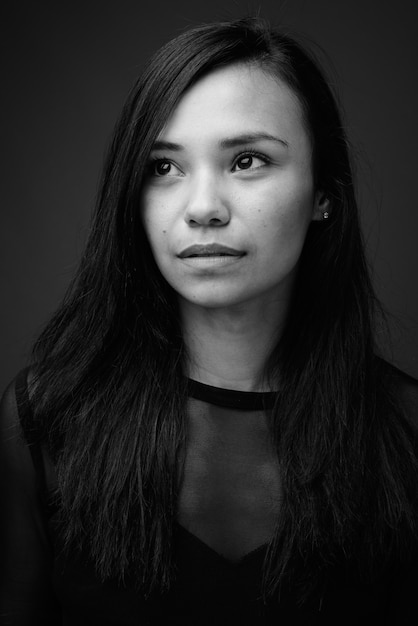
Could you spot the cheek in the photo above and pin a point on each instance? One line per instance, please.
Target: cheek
(155, 223)
(293, 224)
(286, 214)
(282, 233)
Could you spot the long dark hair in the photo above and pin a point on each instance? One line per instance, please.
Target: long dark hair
(109, 393)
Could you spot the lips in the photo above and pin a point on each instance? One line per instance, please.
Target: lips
(209, 250)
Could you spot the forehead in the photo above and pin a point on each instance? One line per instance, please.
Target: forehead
(233, 100)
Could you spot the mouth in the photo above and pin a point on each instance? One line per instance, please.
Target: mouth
(209, 250)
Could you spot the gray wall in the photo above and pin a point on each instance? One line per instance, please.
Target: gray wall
(68, 69)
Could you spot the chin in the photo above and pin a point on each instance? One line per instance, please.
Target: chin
(217, 300)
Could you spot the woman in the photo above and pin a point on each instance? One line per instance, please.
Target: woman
(207, 434)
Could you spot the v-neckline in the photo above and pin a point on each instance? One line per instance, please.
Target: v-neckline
(214, 554)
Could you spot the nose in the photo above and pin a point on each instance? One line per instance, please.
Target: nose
(206, 204)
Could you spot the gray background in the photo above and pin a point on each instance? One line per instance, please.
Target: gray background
(68, 68)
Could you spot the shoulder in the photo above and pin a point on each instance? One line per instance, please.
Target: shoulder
(16, 417)
(15, 454)
(21, 454)
(15, 405)
(9, 408)
(404, 388)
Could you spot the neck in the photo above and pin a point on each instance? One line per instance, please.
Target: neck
(229, 347)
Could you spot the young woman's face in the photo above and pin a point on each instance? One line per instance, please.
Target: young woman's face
(229, 194)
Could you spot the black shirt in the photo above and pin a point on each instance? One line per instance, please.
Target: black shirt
(228, 503)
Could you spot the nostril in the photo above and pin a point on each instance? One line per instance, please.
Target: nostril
(208, 212)
(194, 219)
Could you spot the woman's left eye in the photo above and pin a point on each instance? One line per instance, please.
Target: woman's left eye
(249, 161)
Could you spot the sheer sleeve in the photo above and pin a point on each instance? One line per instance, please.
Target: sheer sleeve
(26, 558)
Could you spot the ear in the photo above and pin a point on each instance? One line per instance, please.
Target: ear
(321, 205)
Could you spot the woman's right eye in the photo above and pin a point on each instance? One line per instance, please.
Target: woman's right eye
(163, 167)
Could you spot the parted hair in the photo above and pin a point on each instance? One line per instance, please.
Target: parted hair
(109, 392)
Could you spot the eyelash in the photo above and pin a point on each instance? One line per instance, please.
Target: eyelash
(252, 153)
(241, 155)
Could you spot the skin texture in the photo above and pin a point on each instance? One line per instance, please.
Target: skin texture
(213, 190)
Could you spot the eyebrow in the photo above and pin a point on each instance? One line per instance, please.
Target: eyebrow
(239, 140)
(228, 142)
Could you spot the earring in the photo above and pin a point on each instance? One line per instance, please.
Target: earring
(325, 215)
